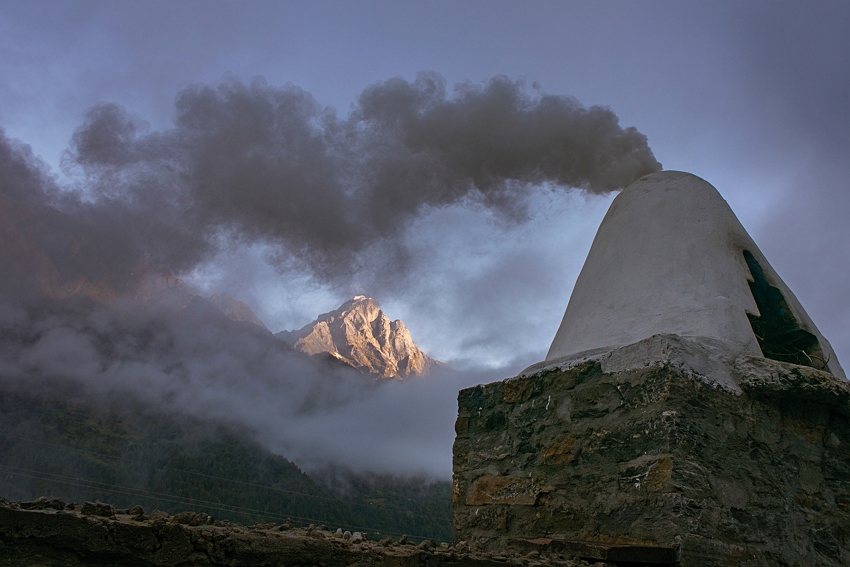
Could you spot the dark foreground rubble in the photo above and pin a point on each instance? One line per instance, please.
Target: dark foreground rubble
(49, 533)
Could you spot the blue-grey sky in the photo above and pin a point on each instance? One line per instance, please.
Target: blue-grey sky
(750, 96)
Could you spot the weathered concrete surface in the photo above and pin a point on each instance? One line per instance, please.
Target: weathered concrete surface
(657, 456)
(46, 533)
(669, 258)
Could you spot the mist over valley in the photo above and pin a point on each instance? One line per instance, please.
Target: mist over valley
(97, 324)
(248, 257)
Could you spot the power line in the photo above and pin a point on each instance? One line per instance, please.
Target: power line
(139, 492)
(255, 485)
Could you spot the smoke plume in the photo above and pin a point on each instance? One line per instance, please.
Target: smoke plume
(251, 164)
(261, 163)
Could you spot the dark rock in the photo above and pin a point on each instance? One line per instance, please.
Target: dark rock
(157, 515)
(49, 538)
(43, 503)
(97, 509)
(183, 518)
(205, 519)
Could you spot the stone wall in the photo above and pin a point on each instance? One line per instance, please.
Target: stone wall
(47, 533)
(659, 459)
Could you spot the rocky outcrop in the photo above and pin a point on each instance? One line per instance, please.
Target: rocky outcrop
(656, 458)
(47, 533)
(361, 335)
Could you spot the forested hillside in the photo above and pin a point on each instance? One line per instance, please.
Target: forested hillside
(54, 447)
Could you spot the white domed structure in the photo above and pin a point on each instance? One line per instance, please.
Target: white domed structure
(671, 258)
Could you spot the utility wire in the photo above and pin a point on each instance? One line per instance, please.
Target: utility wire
(255, 485)
(130, 491)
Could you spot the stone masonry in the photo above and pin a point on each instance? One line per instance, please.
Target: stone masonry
(657, 464)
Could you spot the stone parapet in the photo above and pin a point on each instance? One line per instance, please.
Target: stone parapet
(659, 457)
(47, 533)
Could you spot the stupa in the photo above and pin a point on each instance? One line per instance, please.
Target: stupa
(688, 412)
(670, 257)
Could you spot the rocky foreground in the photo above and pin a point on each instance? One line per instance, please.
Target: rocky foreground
(49, 533)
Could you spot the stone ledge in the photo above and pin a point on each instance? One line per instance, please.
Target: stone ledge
(706, 359)
(767, 378)
(46, 533)
(601, 551)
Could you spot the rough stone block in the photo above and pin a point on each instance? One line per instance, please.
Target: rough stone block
(659, 457)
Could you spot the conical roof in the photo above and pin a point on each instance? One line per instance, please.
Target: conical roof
(670, 257)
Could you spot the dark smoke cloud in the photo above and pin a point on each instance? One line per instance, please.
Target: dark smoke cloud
(261, 163)
(488, 141)
(87, 298)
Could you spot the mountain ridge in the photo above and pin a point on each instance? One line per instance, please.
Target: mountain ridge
(235, 309)
(360, 334)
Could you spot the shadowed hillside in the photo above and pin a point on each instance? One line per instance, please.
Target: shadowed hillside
(79, 453)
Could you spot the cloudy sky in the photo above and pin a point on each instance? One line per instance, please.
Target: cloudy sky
(750, 96)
